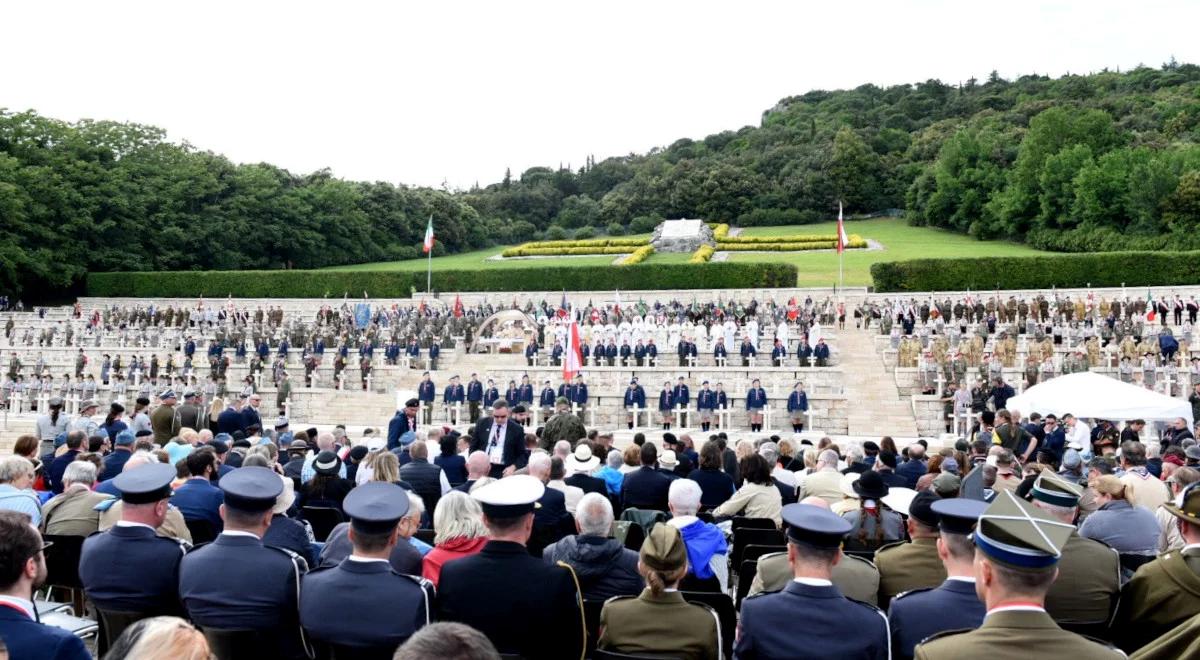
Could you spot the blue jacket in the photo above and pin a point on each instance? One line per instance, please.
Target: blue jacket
(525, 393)
(664, 400)
(546, 399)
(426, 391)
(720, 351)
(635, 398)
(435, 350)
(454, 394)
(680, 395)
(114, 463)
(645, 488)
(474, 391)
(490, 395)
(821, 351)
(779, 352)
(198, 499)
(579, 394)
(531, 350)
(706, 400)
(400, 604)
(230, 420)
(397, 427)
(854, 630)
(132, 569)
(756, 398)
(748, 350)
(797, 401)
(917, 614)
(27, 639)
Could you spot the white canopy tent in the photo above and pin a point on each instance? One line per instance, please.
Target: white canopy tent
(1092, 395)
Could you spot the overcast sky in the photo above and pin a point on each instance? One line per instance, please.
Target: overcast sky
(443, 91)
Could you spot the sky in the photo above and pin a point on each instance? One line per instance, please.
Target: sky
(450, 93)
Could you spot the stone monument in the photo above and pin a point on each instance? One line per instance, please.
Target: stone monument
(681, 235)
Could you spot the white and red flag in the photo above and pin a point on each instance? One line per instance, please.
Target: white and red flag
(842, 240)
(573, 357)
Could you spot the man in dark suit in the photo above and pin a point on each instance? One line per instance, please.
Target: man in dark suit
(502, 439)
(404, 421)
(198, 498)
(646, 487)
(231, 419)
(523, 605)
(478, 467)
(551, 521)
(250, 414)
(914, 467)
(22, 570)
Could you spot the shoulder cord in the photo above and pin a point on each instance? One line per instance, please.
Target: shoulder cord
(579, 600)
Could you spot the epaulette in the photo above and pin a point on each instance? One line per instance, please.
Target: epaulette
(902, 594)
(300, 562)
(184, 546)
(867, 605)
(893, 544)
(944, 634)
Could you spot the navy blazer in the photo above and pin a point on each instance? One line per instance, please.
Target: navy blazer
(230, 420)
(756, 398)
(27, 639)
(523, 605)
(645, 488)
(198, 499)
(474, 391)
(635, 397)
(397, 427)
(797, 401)
(399, 604)
(680, 395)
(453, 393)
(853, 629)
(133, 569)
(706, 400)
(915, 615)
(114, 463)
(238, 583)
(514, 440)
(426, 390)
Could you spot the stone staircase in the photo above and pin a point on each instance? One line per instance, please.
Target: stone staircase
(876, 408)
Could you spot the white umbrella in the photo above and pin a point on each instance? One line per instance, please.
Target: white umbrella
(1092, 395)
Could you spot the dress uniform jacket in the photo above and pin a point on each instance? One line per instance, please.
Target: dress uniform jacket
(1088, 582)
(1014, 635)
(1161, 595)
(132, 569)
(919, 614)
(237, 583)
(399, 605)
(165, 423)
(520, 603)
(850, 629)
(26, 638)
(907, 566)
(665, 624)
(855, 577)
(404, 559)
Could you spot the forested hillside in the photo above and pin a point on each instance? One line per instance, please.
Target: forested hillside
(1103, 161)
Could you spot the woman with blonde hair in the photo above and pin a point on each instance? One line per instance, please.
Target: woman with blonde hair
(385, 467)
(160, 638)
(214, 411)
(459, 532)
(1128, 529)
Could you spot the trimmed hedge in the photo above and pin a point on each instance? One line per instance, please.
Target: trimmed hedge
(855, 242)
(1062, 270)
(702, 255)
(792, 238)
(526, 249)
(639, 255)
(720, 231)
(400, 284)
(575, 251)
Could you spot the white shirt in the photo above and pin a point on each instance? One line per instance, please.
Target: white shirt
(365, 559)
(1016, 608)
(813, 582)
(495, 446)
(238, 532)
(129, 523)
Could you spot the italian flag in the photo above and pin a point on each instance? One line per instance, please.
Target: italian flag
(428, 246)
(842, 240)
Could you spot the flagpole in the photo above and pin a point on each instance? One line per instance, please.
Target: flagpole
(429, 261)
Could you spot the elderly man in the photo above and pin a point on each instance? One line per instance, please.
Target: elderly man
(172, 525)
(404, 557)
(16, 481)
(914, 467)
(427, 479)
(73, 513)
(478, 467)
(1141, 488)
(550, 516)
(770, 453)
(826, 481)
(706, 546)
(54, 471)
(325, 442)
(572, 494)
(1170, 538)
(604, 567)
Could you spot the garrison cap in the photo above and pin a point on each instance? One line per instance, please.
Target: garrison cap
(1053, 489)
(958, 515)
(1017, 534)
(510, 497)
(663, 549)
(376, 507)
(251, 489)
(814, 525)
(145, 484)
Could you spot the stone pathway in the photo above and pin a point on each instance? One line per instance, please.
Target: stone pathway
(876, 408)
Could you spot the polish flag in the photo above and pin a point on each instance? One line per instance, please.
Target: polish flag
(428, 245)
(842, 240)
(573, 356)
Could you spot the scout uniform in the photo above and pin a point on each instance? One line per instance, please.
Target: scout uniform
(397, 605)
(909, 565)
(1164, 593)
(952, 605)
(767, 626)
(1014, 534)
(664, 623)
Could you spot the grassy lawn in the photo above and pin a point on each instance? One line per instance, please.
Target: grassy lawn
(900, 241)
(669, 258)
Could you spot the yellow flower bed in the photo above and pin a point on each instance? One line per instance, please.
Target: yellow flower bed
(639, 255)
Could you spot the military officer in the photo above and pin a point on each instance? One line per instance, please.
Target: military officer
(1089, 572)
(847, 628)
(1166, 592)
(129, 568)
(523, 605)
(914, 564)
(236, 582)
(915, 615)
(399, 604)
(1016, 549)
(855, 577)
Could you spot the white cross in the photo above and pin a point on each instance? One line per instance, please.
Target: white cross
(457, 416)
(591, 416)
(767, 413)
(287, 407)
(812, 361)
(370, 377)
(1167, 381)
(137, 377)
(723, 416)
(721, 361)
(810, 413)
(341, 380)
(681, 413)
(941, 383)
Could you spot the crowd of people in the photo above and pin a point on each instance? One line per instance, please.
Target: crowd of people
(510, 534)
